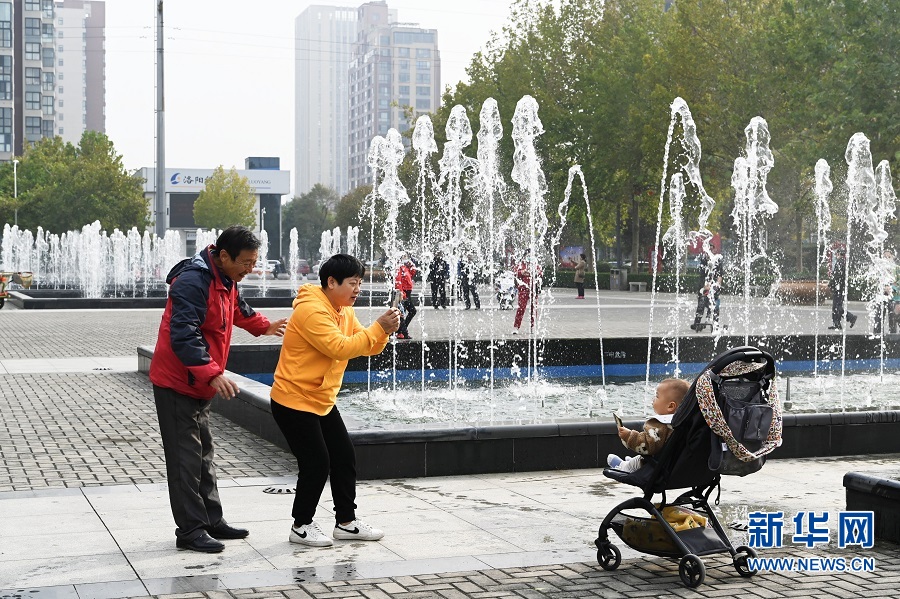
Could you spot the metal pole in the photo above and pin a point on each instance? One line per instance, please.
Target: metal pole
(160, 208)
(15, 192)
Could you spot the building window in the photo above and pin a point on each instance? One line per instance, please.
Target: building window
(32, 4)
(5, 25)
(5, 129)
(403, 77)
(384, 116)
(32, 51)
(423, 77)
(61, 130)
(49, 55)
(404, 90)
(421, 65)
(423, 52)
(403, 101)
(384, 90)
(423, 90)
(5, 77)
(47, 103)
(32, 76)
(384, 77)
(33, 27)
(59, 35)
(383, 103)
(47, 128)
(60, 50)
(423, 104)
(385, 40)
(49, 81)
(403, 52)
(60, 103)
(33, 100)
(404, 65)
(413, 37)
(33, 127)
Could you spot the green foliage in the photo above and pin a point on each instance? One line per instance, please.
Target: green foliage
(62, 187)
(226, 200)
(309, 214)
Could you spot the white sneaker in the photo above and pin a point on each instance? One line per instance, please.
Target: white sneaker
(310, 534)
(515, 331)
(357, 531)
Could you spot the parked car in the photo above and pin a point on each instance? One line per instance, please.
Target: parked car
(303, 267)
(271, 268)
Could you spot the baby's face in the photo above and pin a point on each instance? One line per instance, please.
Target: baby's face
(665, 401)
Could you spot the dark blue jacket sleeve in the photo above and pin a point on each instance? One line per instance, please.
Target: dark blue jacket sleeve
(190, 302)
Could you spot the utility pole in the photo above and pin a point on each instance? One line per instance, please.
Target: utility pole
(160, 208)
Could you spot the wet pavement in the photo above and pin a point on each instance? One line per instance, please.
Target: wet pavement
(84, 512)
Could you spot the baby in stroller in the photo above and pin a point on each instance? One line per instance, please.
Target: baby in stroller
(657, 429)
(727, 423)
(505, 287)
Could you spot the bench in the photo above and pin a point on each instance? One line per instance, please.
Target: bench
(637, 286)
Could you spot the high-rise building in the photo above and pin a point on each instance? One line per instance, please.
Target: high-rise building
(80, 68)
(323, 36)
(396, 67)
(27, 74)
(52, 74)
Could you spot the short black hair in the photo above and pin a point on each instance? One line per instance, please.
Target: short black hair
(341, 266)
(583, 257)
(235, 239)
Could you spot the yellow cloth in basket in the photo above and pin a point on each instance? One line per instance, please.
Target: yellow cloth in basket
(649, 534)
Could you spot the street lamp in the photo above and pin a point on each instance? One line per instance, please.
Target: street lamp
(262, 221)
(15, 192)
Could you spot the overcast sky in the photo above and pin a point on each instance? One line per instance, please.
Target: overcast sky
(230, 72)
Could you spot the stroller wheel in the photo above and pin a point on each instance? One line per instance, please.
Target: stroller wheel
(742, 553)
(692, 571)
(608, 556)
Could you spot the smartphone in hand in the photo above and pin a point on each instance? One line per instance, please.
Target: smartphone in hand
(396, 295)
(618, 419)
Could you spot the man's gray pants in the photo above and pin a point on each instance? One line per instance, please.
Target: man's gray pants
(190, 467)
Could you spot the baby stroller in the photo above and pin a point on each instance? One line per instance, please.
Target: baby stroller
(704, 445)
(505, 285)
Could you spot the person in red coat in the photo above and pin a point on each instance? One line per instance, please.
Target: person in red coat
(188, 370)
(527, 288)
(404, 283)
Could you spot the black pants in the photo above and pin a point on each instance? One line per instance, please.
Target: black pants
(190, 466)
(580, 287)
(469, 289)
(322, 448)
(837, 310)
(409, 306)
(438, 294)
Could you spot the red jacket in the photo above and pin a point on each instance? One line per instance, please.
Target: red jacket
(195, 332)
(404, 279)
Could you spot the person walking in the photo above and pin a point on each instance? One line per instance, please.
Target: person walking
(470, 282)
(837, 296)
(580, 267)
(710, 274)
(438, 275)
(404, 283)
(322, 335)
(188, 370)
(527, 288)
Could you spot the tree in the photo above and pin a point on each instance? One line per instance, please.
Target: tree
(62, 187)
(227, 200)
(308, 214)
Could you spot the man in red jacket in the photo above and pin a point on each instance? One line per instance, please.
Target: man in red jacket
(188, 370)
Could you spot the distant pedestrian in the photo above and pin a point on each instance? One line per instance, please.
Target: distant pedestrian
(837, 296)
(527, 288)
(580, 267)
(188, 370)
(469, 280)
(403, 282)
(710, 274)
(438, 275)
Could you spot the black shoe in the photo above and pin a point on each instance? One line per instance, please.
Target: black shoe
(226, 531)
(204, 544)
(835, 328)
(852, 320)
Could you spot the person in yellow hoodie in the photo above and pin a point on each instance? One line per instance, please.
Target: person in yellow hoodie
(322, 335)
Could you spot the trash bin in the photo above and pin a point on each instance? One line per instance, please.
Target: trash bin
(615, 278)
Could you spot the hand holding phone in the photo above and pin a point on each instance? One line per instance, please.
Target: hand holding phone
(395, 298)
(618, 420)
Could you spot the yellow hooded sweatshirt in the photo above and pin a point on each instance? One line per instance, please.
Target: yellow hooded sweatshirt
(318, 343)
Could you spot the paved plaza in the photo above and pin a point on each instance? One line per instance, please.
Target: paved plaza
(85, 511)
